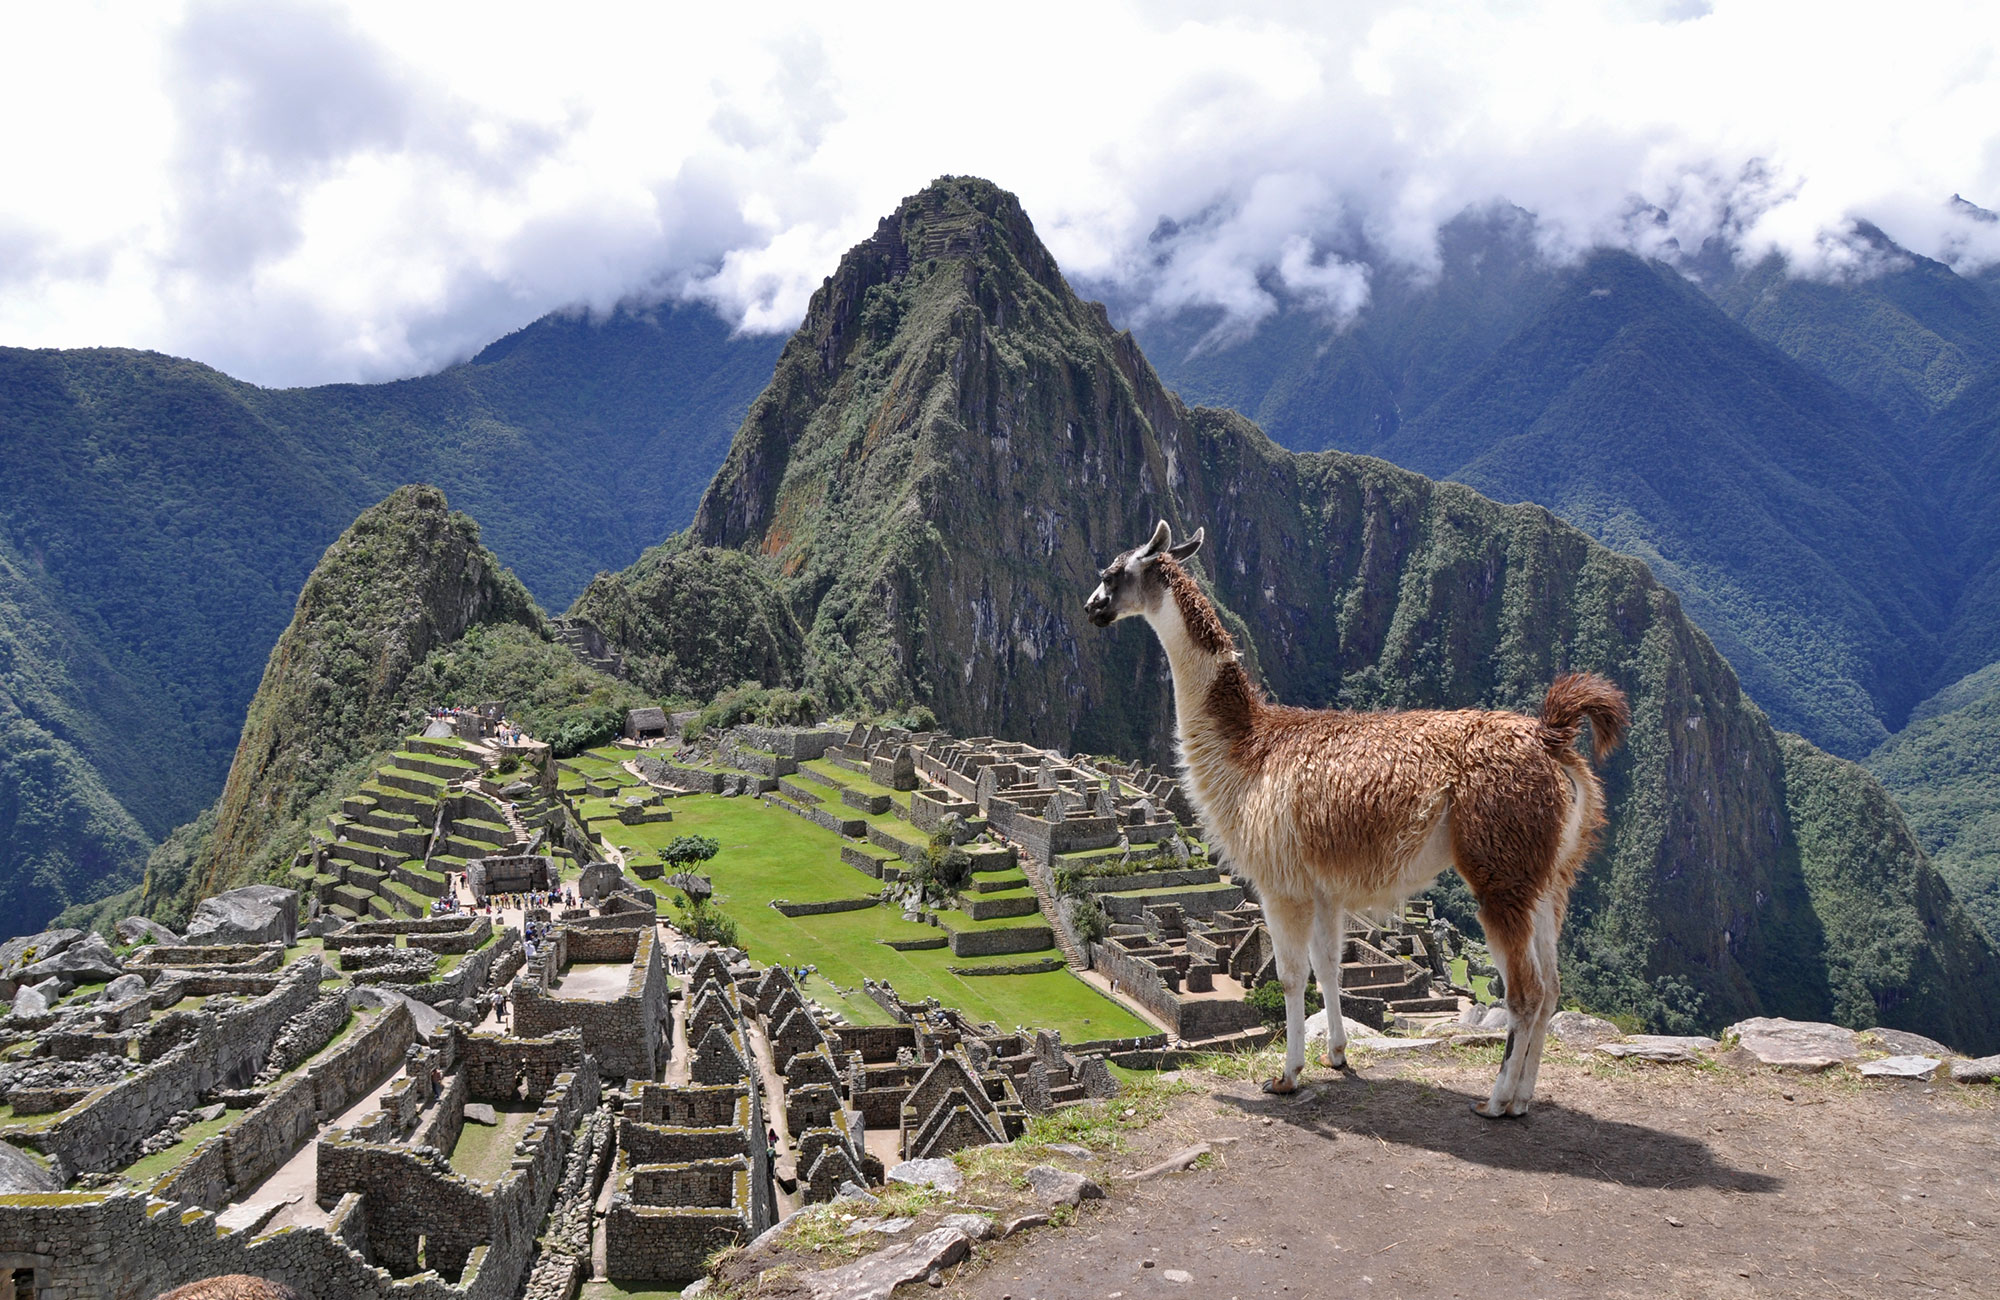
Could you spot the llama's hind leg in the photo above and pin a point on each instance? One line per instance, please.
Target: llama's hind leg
(1290, 924)
(1329, 941)
(1548, 923)
(1531, 995)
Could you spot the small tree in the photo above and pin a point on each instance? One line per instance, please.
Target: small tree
(704, 922)
(689, 851)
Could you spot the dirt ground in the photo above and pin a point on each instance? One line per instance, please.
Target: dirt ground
(1624, 1180)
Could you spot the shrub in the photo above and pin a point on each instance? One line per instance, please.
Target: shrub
(773, 706)
(1088, 920)
(1269, 999)
(705, 922)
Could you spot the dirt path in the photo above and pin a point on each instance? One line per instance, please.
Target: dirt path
(1623, 1181)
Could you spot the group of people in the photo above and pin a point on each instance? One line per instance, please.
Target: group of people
(507, 733)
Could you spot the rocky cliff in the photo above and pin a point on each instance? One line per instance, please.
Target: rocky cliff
(952, 444)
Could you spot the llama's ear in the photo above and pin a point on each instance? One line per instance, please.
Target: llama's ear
(1190, 546)
(1161, 536)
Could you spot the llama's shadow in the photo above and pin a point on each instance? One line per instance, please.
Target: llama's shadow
(1550, 1139)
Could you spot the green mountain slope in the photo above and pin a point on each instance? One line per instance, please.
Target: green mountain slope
(405, 611)
(166, 515)
(1944, 769)
(1908, 339)
(1789, 518)
(953, 442)
(64, 837)
(1962, 459)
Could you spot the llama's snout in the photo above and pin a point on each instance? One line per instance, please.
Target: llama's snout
(1097, 607)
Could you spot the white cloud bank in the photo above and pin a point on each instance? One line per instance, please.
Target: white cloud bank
(299, 193)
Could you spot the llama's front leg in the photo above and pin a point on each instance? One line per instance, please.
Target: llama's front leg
(1290, 927)
(1329, 943)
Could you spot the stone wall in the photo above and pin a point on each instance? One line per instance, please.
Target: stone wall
(625, 1034)
(468, 1229)
(789, 908)
(998, 943)
(501, 1067)
(104, 1131)
(667, 1244)
(268, 1134)
(86, 1246)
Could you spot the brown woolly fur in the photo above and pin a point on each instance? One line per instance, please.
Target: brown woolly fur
(1327, 811)
(1576, 696)
(1204, 625)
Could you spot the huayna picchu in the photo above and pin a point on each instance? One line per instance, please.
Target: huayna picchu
(825, 871)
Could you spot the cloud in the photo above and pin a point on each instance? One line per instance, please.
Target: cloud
(303, 192)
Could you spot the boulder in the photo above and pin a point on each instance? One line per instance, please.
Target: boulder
(1316, 1029)
(1904, 1043)
(30, 1002)
(976, 1227)
(22, 1173)
(1795, 1044)
(1667, 1049)
(1053, 1186)
(1494, 1015)
(1901, 1067)
(125, 986)
(873, 1277)
(429, 1019)
(1984, 1070)
(941, 1174)
(1577, 1029)
(138, 929)
(478, 1112)
(252, 914)
(87, 961)
(19, 952)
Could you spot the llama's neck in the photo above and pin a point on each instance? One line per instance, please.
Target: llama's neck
(1214, 703)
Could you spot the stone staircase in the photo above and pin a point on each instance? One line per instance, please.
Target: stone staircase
(589, 646)
(1039, 881)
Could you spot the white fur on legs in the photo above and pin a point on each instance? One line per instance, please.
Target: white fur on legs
(1329, 941)
(1547, 926)
(1290, 926)
(1515, 1085)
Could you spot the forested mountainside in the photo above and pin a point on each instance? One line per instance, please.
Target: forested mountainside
(1944, 769)
(1763, 440)
(1809, 464)
(157, 520)
(953, 443)
(406, 610)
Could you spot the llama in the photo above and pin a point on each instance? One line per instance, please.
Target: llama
(1327, 810)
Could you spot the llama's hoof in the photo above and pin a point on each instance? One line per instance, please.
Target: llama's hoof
(1280, 1087)
(1333, 1062)
(1479, 1109)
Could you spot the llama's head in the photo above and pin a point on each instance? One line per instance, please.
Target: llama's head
(1136, 582)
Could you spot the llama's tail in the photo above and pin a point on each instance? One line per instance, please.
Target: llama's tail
(1576, 696)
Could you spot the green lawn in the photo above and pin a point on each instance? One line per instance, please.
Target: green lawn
(769, 853)
(486, 1151)
(147, 1170)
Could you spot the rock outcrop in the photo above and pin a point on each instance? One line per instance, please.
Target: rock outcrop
(250, 914)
